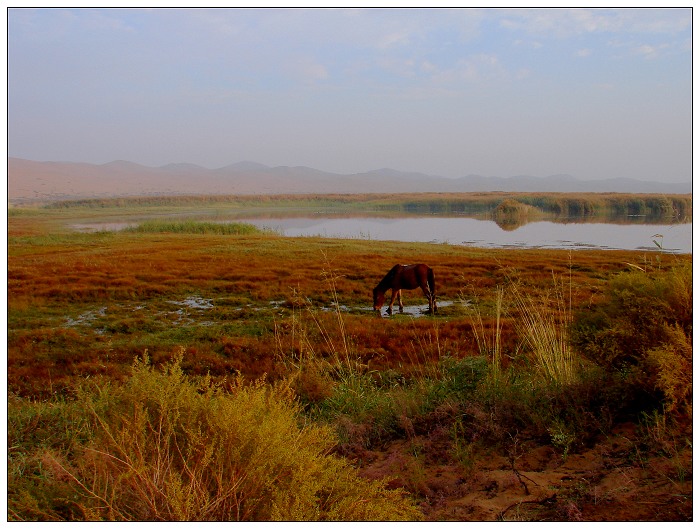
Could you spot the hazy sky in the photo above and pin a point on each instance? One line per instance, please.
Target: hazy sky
(594, 93)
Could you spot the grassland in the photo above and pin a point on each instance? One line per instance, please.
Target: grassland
(476, 413)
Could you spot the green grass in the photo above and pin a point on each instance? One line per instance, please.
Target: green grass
(195, 227)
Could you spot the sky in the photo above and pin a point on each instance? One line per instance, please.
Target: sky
(593, 93)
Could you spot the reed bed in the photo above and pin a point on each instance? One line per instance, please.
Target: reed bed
(564, 204)
(195, 227)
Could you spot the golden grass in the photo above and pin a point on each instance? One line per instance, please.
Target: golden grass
(546, 334)
(489, 337)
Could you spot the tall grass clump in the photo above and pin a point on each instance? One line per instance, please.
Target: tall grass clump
(195, 227)
(489, 340)
(164, 447)
(547, 387)
(341, 357)
(544, 326)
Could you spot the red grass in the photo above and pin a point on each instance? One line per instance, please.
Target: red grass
(71, 276)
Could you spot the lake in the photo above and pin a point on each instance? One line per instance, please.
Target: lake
(675, 238)
(672, 238)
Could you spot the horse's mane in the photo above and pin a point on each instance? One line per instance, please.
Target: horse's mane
(385, 283)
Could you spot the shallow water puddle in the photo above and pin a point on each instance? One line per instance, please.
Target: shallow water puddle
(417, 311)
(195, 302)
(86, 318)
(191, 311)
(102, 226)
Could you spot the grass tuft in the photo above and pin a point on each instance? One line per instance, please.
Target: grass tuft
(489, 340)
(544, 325)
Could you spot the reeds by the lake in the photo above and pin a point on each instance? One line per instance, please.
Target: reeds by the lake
(195, 227)
(676, 207)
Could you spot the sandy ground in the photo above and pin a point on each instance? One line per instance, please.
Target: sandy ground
(611, 481)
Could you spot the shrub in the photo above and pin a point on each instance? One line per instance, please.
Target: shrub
(673, 363)
(643, 331)
(166, 448)
(511, 214)
(356, 399)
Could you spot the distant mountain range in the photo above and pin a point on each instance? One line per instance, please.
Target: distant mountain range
(47, 181)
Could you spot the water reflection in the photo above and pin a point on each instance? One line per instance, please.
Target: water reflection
(631, 233)
(335, 213)
(486, 233)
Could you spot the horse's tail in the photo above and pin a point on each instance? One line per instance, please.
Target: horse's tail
(431, 286)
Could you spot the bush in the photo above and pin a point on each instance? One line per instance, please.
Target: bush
(511, 214)
(672, 362)
(166, 448)
(369, 409)
(643, 332)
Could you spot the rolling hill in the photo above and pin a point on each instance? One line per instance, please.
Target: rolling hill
(31, 181)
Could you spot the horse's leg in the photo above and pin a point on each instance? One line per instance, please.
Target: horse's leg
(394, 293)
(433, 295)
(400, 302)
(430, 296)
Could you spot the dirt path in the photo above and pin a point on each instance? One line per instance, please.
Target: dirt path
(610, 481)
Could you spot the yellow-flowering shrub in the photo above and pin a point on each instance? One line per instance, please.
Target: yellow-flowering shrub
(163, 447)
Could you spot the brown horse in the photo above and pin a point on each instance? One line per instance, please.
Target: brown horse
(406, 277)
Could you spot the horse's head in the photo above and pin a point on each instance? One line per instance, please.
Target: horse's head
(378, 299)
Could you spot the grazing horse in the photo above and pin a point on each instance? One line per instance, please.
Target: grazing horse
(406, 277)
